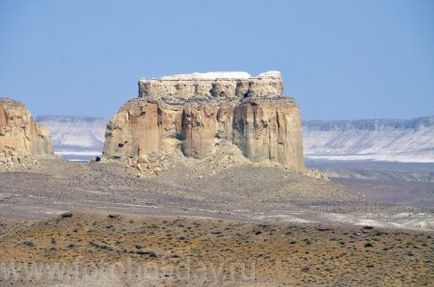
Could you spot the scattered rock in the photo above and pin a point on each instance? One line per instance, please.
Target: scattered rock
(150, 254)
(28, 242)
(368, 244)
(305, 269)
(66, 214)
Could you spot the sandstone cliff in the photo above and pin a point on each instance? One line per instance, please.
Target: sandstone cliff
(20, 137)
(204, 114)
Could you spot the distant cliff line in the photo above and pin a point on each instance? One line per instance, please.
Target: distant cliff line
(369, 124)
(315, 131)
(403, 140)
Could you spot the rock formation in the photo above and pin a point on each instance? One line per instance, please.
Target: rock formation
(20, 137)
(200, 114)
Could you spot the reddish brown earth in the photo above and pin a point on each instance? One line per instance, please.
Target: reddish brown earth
(203, 252)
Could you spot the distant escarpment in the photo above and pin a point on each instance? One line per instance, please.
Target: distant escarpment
(21, 139)
(404, 140)
(202, 115)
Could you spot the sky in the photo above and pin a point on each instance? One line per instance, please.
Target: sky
(346, 59)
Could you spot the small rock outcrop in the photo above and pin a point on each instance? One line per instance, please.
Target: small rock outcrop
(200, 114)
(20, 137)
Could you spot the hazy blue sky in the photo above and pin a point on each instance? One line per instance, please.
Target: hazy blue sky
(340, 59)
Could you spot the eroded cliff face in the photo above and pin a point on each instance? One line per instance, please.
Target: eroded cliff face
(269, 129)
(20, 137)
(201, 114)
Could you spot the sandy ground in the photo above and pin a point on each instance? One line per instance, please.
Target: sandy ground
(295, 229)
(245, 193)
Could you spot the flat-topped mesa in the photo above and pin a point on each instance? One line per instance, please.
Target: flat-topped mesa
(200, 115)
(213, 85)
(20, 136)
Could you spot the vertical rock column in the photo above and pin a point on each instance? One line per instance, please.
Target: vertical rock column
(269, 130)
(134, 131)
(146, 126)
(199, 126)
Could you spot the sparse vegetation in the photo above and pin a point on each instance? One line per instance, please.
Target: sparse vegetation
(321, 257)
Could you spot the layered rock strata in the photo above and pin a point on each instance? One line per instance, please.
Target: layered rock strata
(20, 137)
(198, 114)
